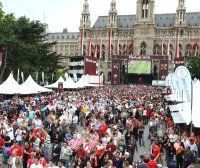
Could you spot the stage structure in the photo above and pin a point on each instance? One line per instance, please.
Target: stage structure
(138, 69)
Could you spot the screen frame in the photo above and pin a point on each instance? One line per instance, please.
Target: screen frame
(131, 60)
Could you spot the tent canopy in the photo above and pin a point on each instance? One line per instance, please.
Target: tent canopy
(177, 118)
(55, 85)
(10, 86)
(31, 87)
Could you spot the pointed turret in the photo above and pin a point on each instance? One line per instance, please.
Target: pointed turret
(112, 17)
(85, 16)
(181, 14)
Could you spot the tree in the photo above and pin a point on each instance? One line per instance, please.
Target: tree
(193, 64)
(24, 48)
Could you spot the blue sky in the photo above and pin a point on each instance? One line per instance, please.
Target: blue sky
(59, 14)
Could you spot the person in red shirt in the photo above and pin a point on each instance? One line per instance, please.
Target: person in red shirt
(152, 163)
(156, 151)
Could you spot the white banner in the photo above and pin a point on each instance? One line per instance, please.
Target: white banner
(184, 82)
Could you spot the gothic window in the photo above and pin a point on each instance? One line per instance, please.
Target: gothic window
(92, 51)
(188, 50)
(171, 51)
(103, 52)
(145, 7)
(196, 51)
(156, 50)
(143, 48)
(130, 49)
(112, 50)
(120, 49)
(164, 49)
(180, 50)
(61, 47)
(124, 49)
(84, 49)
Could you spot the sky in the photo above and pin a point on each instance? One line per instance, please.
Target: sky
(59, 14)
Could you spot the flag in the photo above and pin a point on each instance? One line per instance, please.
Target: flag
(109, 43)
(18, 76)
(22, 76)
(43, 77)
(100, 46)
(82, 40)
(117, 47)
(1, 58)
(89, 46)
(177, 45)
(168, 50)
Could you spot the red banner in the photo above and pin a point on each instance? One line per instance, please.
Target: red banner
(60, 87)
(90, 65)
(115, 73)
(163, 69)
(179, 61)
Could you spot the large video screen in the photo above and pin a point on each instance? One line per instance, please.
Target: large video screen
(139, 67)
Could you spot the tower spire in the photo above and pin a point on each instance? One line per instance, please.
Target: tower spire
(181, 14)
(85, 16)
(112, 17)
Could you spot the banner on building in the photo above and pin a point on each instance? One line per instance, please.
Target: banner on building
(90, 66)
(115, 73)
(163, 69)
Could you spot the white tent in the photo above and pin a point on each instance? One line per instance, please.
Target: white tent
(55, 85)
(31, 87)
(177, 118)
(81, 83)
(196, 104)
(10, 86)
(70, 84)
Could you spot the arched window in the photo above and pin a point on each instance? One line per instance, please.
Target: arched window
(92, 50)
(188, 50)
(124, 49)
(196, 51)
(145, 7)
(109, 76)
(171, 51)
(84, 50)
(112, 50)
(180, 50)
(156, 49)
(130, 49)
(103, 52)
(164, 50)
(143, 48)
(120, 49)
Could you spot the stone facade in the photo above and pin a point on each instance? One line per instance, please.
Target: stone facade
(145, 33)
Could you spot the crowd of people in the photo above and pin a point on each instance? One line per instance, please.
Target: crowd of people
(94, 128)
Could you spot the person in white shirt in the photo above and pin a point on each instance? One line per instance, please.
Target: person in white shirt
(74, 122)
(19, 134)
(10, 132)
(37, 122)
(36, 164)
(20, 120)
(173, 137)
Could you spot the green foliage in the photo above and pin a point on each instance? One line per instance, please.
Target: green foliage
(22, 42)
(193, 64)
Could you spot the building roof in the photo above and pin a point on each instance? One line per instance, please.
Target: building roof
(161, 20)
(62, 36)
